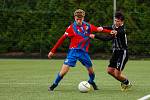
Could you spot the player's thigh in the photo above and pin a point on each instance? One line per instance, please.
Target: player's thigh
(85, 60)
(113, 60)
(122, 60)
(71, 58)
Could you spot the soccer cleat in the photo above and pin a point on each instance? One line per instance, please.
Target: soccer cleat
(94, 86)
(125, 87)
(51, 88)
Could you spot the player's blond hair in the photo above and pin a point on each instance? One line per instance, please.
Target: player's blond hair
(79, 13)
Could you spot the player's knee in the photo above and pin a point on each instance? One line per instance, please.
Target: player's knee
(90, 70)
(64, 70)
(110, 71)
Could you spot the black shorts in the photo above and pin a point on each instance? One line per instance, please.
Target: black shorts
(119, 59)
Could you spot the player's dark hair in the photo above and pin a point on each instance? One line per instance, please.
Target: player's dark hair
(119, 15)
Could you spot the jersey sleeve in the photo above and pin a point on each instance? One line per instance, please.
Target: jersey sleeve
(69, 31)
(93, 28)
(59, 42)
(106, 30)
(99, 29)
(103, 37)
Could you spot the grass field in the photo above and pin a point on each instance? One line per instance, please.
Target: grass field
(28, 80)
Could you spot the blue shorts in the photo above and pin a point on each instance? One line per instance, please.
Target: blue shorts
(78, 54)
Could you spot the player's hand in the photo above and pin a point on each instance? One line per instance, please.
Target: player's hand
(92, 36)
(99, 29)
(50, 54)
(113, 32)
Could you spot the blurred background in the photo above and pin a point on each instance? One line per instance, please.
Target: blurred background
(30, 28)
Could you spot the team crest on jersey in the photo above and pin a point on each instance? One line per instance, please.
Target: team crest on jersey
(78, 30)
(86, 28)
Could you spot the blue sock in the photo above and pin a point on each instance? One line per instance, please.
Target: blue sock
(58, 79)
(92, 77)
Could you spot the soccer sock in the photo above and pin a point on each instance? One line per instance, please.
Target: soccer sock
(91, 76)
(58, 79)
(126, 81)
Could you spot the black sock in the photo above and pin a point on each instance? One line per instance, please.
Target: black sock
(126, 81)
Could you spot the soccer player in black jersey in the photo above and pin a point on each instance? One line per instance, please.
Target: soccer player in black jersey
(120, 51)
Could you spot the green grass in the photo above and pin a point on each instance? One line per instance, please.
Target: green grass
(29, 79)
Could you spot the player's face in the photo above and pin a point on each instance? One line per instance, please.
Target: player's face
(118, 22)
(79, 20)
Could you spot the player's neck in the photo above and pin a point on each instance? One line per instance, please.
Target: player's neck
(79, 24)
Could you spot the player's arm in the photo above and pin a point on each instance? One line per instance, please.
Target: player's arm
(101, 29)
(59, 42)
(106, 37)
(108, 27)
(101, 37)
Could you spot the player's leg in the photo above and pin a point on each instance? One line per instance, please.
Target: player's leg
(70, 61)
(116, 66)
(115, 73)
(63, 71)
(119, 76)
(112, 64)
(111, 71)
(122, 60)
(125, 84)
(92, 77)
(91, 74)
(86, 61)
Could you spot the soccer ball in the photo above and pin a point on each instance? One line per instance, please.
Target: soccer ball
(84, 86)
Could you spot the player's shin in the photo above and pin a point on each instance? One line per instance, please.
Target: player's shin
(91, 77)
(54, 85)
(91, 81)
(58, 79)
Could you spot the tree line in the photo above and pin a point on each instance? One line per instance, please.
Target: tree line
(36, 25)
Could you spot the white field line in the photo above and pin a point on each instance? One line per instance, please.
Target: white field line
(145, 97)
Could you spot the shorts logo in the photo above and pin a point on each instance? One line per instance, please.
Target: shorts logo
(118, 64)
(66, 61)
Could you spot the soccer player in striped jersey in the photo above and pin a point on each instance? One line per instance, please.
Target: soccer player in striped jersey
(120, 50)
(78, 32)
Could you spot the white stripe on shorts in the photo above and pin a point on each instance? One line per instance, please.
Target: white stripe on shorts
(124, 56)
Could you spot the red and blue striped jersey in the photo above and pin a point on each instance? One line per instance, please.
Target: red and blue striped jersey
(79, 36)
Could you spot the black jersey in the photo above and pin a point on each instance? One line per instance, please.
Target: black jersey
(120, 41)
(120, 53)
